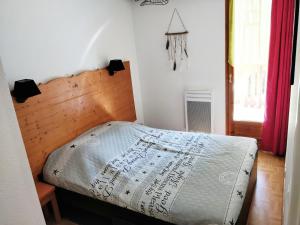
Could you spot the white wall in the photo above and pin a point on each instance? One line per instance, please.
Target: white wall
(19, 203)
(292, 166)
(45, 39)
(163, 89)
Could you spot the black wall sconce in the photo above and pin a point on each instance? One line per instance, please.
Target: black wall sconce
(115, 66)
(24, 89)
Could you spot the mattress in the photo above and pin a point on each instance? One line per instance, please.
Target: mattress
(179, 177)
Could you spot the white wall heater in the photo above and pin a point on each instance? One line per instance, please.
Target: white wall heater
(199, 111)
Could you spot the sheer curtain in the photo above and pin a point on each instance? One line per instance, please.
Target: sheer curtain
(249, 53)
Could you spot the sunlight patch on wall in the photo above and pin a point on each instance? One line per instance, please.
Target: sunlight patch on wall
(92, 42)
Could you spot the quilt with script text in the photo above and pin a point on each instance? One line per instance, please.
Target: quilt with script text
(178, 177)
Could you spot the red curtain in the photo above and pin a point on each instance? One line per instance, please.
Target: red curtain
(275, 127)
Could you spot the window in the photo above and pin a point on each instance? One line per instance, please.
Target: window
(251, 53)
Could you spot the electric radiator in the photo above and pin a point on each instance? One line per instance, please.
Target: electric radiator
(199, 111)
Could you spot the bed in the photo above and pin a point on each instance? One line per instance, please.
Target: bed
(80, 133)
(177, 177)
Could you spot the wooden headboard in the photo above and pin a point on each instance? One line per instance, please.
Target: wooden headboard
(69, 106)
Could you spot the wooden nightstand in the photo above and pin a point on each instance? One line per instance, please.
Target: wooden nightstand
(46, 193)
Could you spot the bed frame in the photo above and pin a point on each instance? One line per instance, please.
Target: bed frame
(69, 106)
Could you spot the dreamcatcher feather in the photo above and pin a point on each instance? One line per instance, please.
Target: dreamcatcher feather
(153, 2)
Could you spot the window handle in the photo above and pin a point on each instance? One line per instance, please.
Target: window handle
(230, 78)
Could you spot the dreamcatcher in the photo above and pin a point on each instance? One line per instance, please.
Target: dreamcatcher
(177, 43)
(154, 2)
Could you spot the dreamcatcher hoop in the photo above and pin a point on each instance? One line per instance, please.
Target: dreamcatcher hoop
(171, 21)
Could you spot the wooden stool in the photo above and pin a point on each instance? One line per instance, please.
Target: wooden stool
(46, 193)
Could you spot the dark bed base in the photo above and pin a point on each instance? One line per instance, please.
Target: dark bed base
(68, 199)
(242, 220)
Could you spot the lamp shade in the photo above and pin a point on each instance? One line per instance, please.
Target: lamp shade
(114, 66)
(24, 89)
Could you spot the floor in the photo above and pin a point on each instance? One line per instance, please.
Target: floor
(268, 198)
(266, 206)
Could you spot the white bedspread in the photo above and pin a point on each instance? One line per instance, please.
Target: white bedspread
(179, 177)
